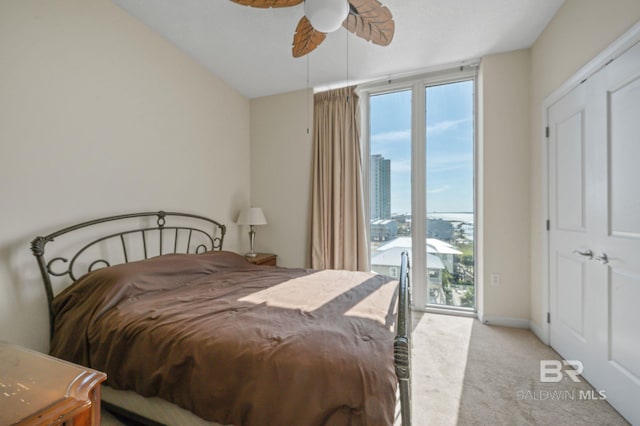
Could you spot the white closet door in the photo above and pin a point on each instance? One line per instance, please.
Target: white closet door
(571, 229)
(594, 183)
(614, 100)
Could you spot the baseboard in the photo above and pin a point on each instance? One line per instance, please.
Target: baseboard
(444, 311)
(542, 332)
(506, 321)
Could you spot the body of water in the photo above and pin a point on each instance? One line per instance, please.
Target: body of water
(453, 217)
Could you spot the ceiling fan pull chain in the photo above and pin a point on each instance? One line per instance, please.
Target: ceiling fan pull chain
(307, 93)
(347, 32)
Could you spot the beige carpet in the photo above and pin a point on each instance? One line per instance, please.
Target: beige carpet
(467, 373)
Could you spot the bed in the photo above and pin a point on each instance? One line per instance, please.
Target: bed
(153, 300)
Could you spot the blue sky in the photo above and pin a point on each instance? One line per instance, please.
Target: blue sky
(449, 146)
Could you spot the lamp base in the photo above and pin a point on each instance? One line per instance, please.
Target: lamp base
(252, 239)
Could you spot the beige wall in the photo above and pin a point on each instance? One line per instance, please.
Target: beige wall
(580, 30)
(281, 154)
(99, 115)
(503, 169)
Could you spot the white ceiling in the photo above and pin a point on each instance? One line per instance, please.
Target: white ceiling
(250, 48)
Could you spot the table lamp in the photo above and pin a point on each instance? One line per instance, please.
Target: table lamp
(252, 216)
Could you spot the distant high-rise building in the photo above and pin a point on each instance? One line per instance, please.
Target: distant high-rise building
(380, 199)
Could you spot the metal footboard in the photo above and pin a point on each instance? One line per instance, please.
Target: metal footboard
(402, 343)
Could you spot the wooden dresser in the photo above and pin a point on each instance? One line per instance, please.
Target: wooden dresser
(36, 389)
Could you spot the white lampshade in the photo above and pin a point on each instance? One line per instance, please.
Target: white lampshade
(326, 15)
(252, 216)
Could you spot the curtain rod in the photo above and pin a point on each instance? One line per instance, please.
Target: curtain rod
(462, 66)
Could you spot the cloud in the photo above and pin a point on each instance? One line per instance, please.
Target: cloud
(437, 128)
(446, 163)
(436, 190)
(393, 136)
(443, 126)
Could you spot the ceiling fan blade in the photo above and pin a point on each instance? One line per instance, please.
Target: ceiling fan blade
(268, 3)
(306, 38)
(370, 20)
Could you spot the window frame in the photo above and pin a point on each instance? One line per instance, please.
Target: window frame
(417, 84)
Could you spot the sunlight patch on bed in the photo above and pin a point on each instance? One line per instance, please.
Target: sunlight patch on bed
(371, 306)
(310, 292)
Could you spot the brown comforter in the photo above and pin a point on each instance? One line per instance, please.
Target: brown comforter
(237, 343)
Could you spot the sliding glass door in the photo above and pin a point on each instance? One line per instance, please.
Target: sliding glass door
(421, 156)
(450, 194)
(390, 180)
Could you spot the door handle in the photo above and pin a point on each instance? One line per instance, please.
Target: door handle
(603, 258)
(586, 253)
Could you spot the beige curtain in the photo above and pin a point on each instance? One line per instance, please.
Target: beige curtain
(338, 228)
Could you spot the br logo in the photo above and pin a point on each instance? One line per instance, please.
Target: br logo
(551, 370)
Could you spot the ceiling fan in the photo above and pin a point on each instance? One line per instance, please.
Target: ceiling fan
(367, 19)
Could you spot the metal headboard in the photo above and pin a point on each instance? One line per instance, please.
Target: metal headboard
(212, 237)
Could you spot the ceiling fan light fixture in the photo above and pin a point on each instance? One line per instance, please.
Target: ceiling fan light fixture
(326, 15)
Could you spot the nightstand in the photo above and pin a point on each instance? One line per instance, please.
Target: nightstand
(268, 259)
(37, 389)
